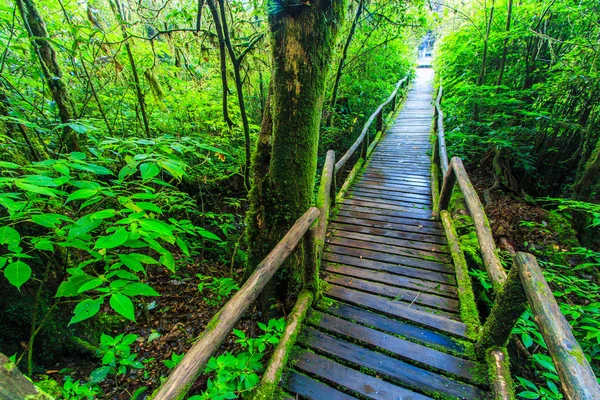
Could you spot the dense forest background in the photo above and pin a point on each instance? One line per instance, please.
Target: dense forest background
(126, 133)
(520, 83)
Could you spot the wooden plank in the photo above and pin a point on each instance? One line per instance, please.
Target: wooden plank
(424, 260)
(384, 229)
(410, 218)
(395, 327)
(415, 299)
(410, 375)
(392, 279)
(358, 382)
(376, 199)
(414, 211)
(315, 390)
(422, 187)
(421, 181)
(341, 230)
(392, 268)
(405, 224)
(403, 348)
(398, 186)
(397, 309)
(392, 195)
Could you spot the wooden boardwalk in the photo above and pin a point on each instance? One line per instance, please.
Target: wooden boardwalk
(389, 326)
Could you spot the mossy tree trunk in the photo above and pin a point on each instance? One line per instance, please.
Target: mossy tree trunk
(36, 28)
(285, 160)
(588, 182)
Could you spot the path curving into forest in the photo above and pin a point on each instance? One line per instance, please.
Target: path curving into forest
(389, 326)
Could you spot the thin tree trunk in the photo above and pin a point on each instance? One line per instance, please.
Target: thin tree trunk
(302, 40)
(338, 75)
(117, 10)
(505, 44)
(223, 60)
(36, 28)
(482, 72)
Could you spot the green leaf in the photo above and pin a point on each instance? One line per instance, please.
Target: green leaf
(17, 273)
(9, 236)
(157, 226)
(168, 261)
(8, 165)
(139, 289)
(99, 374)
(81, 194)
(71, 286)
(204, 233)
(529, 395)
(94, 283)
(116, 239)
(149, 170)
(86, 309)
(143, 258)
(103, 214)
(144, 205)
(35, 189)
(131, 262)
(183, 246)
(49, 220)
(527, 340)
(123, 305)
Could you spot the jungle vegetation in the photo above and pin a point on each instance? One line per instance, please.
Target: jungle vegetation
(152, 152)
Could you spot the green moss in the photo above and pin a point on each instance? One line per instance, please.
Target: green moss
(562, 228)
(503, 372)
(578, 354)
(49, 386)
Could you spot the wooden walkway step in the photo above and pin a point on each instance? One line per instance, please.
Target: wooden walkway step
(389, 325)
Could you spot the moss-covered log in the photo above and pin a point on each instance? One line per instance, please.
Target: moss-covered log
(576, 376)
(222, 323)
(302, 42)
(509, 305)
(499, 371)
(14, 385)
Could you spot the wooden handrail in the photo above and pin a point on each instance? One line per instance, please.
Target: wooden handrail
(439, 127)
(576, 376)
(456, 173)
(342, 161)
(223, 322)
(524, 282)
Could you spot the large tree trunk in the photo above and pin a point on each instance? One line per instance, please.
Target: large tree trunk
(302, 39)
(14, 385)
(590, 178)
(36, 28)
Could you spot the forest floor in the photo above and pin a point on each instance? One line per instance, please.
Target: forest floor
(172, 323)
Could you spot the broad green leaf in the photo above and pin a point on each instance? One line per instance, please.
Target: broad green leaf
(81, 194)
(9, 236)
(86, 309)
(131, 262)
(157, 226)
(116, 239)
(103, 214)
(3, 261)
(528, 395)
(94, 283)
(43, 244)
(204, 233)
(527, 340)
(183, 246)
(9, 165)
(143, 258)
(123, 305)
(144, 205)
(149, 170)
(17, 273)
(99, 374)
(168, 261)
(49, 220)
(35, 189)
(77, 155)
(139, 289)
(71, 286)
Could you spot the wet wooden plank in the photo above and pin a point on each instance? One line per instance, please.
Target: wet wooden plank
(422, 259)
(414, 211)
(313, 389)
(363, 262)
(376, 199)
(397, 309)
(373, 186)
(397, 186)
(387, 230)
(395, 327)
(363, 384)
(341, 230)
(414, 299)
(392, 195)
(410, 375)
(409, 219)
(403, 348)
(393, 280)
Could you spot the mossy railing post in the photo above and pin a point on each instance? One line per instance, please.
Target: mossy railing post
(576, 376)
(440, 132)
(510, 304)
(217, 329)
(379, 123)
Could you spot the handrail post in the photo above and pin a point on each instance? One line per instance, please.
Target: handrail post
(394, 103)
(446, 192)
(576, 376)
(379, 124)
(365, 147)
(510, 304)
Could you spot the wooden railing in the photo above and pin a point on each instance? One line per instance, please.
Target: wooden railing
(184, 374)
(524, 284)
